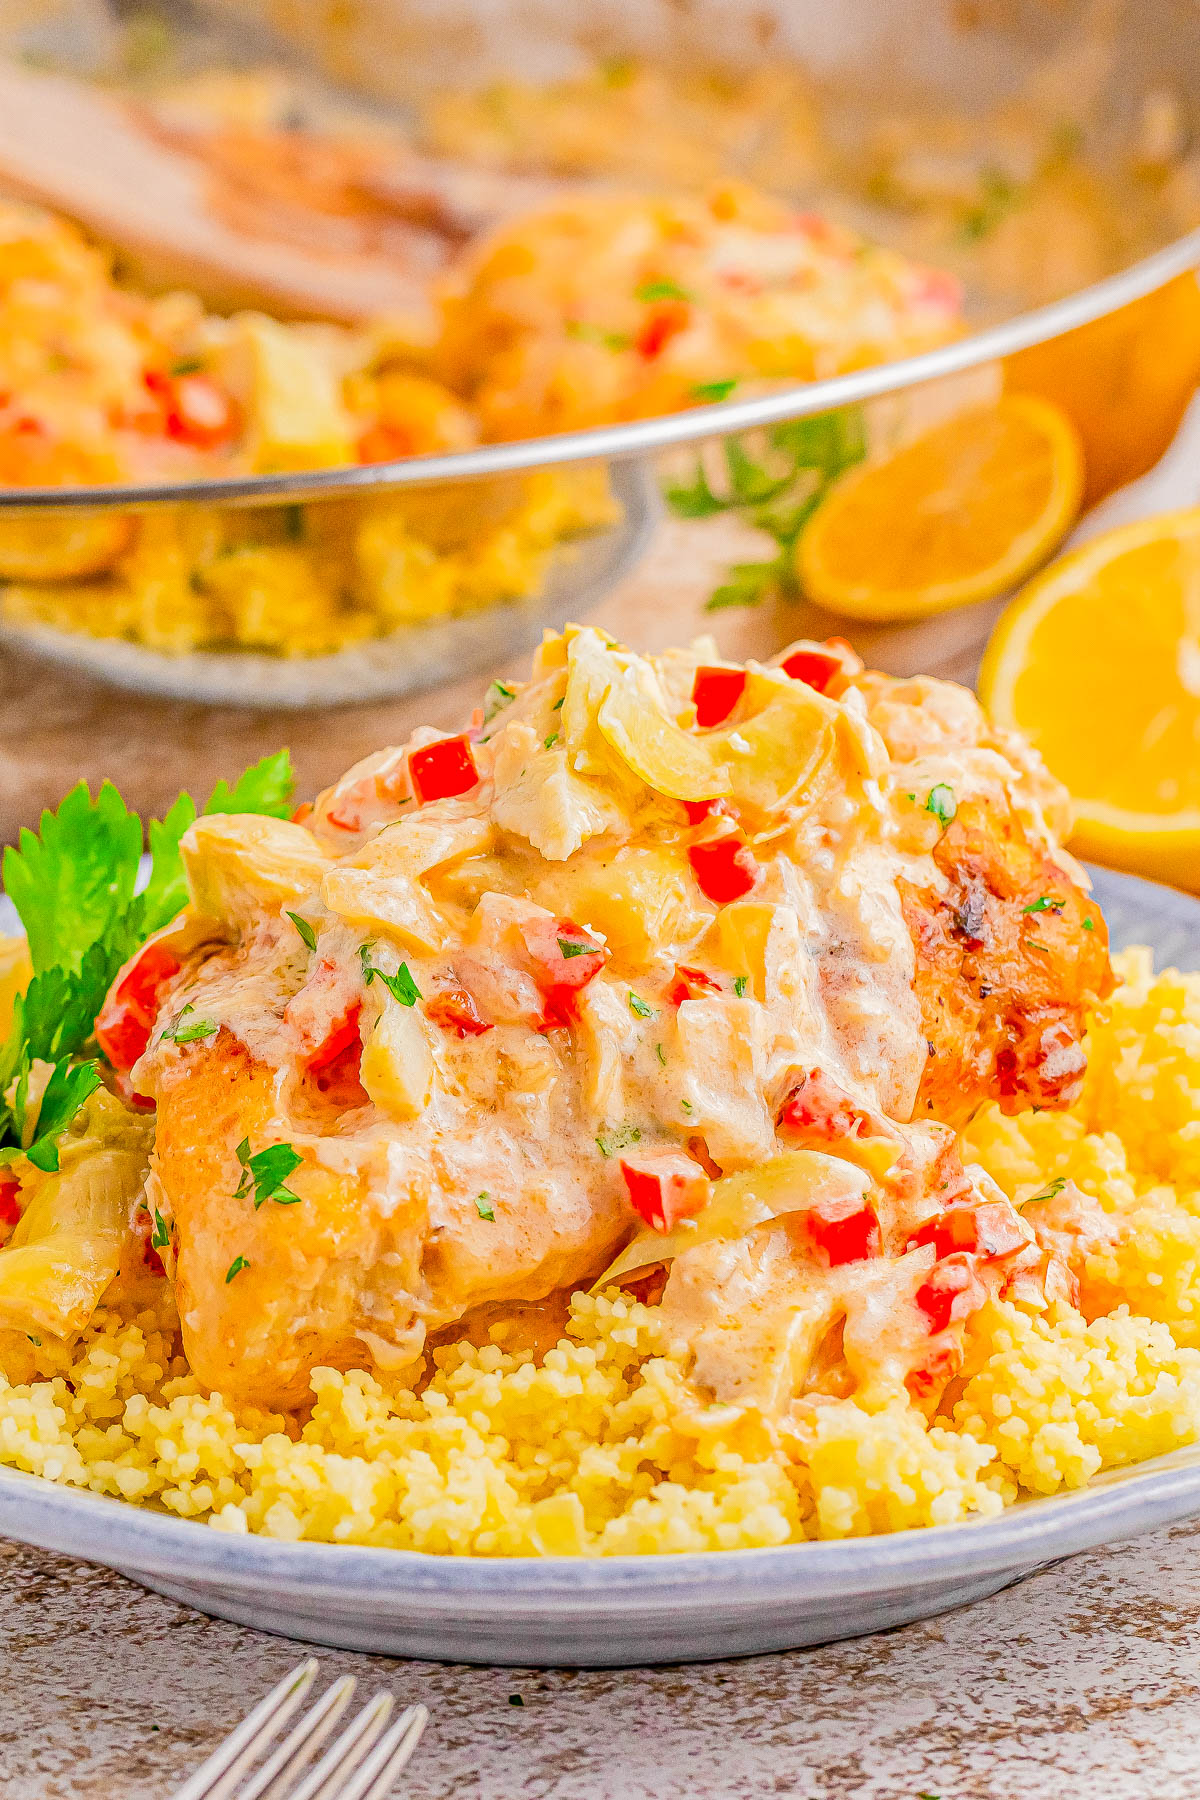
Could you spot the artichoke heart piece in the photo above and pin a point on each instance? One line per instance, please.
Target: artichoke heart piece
(789, 1183)
(381, 889)
(239, 865)
(777, 751)
(671, 761)
(397, 1063)
(67, 1247)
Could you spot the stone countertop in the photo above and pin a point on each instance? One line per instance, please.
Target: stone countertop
(1083, 1679)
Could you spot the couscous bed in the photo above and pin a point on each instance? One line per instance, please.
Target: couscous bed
(583, 1450)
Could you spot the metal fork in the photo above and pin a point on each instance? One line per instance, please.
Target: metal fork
(361, 1764)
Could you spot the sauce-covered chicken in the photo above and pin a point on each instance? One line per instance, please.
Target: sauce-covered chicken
(669, 971)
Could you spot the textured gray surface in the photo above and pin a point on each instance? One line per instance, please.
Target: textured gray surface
(1085, 1679)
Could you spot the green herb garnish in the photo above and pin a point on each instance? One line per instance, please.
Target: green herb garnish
(549, 743)
(620, 1138)
(483, 1206)
(740, 984)
(160, 1236)
(267, 1170)
(596, 334)
(496, 699)
(777, 490)
(1044, 903)
(1048, 1192)
(661, 290)
(235, 1268)
(941, 803)
(400, 986)
(641, 1009)
(661, 1054)
(190, 1032)
(570, 948)
(714, 390)
(308, 936)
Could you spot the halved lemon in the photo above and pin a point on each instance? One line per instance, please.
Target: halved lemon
(960, 514)
(1097, 661)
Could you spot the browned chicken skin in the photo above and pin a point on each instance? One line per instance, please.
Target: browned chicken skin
(1008, 960)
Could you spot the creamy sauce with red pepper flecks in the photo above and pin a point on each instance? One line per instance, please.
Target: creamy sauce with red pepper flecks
(594, 982)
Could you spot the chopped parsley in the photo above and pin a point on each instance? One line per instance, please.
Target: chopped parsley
(1044, 903)
(661, 1054)
(641, 1009)
(714, 390)
(160, 1236)
(941, 803)
(1089, 925)
(558, 704)
(620, 1138)
(687, 1106)
(1049, 1191)
(549, 743)
(400, 986)
(570, 948)
(308, 936)
(192, 1030)
(483, 1206)
(661, 290)
(496, 699)
(740, 984)
(235, 1268)
(1032, 943)
(596, 334)
(267, 1171)
(515, 1700)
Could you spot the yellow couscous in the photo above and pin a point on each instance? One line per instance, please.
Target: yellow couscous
(585, 1452)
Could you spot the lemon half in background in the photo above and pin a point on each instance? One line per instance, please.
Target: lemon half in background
(960, 514)
(1098, 662)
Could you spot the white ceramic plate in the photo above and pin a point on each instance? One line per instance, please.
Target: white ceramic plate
(623, 1610)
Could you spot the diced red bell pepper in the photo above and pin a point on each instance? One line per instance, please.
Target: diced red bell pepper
(442, 770)
(715, 693)
(563, 959)
(844, 1231)
(126, 1019)
(985, 1229)
(951, 1291)
(199, 412)
(664, 1187)
(455, 1010)
(341, 1036)
(725, 867)
(10, 1201)
(691, 984)
(823, 667)
(325, 1015)
(818, 1107)
(697, 810)
(667, 319)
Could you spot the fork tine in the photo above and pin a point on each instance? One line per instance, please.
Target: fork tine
(374, 1778)
(254, 1733)
(347, 1752)
(302, 1742)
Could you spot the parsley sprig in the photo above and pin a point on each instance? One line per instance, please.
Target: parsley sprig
(266, 1172)
(778, 491)
(75, 884)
